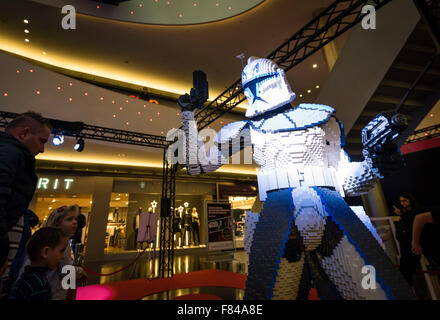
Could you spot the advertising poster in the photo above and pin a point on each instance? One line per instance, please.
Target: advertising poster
(220, 234)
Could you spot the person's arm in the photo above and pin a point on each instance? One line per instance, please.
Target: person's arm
(8, 168)
(420, 221)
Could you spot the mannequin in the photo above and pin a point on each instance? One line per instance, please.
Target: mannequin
(176, 227)
(187, 224)
(136, 227)
(195, 226)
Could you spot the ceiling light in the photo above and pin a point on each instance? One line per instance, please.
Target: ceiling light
(58, 140)
(317, 87)
(309, 91)
(315, 66)
(25, 21)
(27, 40)
(26, 31)
(79, 146)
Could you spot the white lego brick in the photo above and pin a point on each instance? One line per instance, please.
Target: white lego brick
(282, 178)
(308, 177)
(272, 182)
(262, 185)
(318, 176)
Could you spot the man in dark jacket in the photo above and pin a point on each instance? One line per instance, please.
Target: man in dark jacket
(22, 140)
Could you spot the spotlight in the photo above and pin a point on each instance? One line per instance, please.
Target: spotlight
(58, 140)
(79, 146)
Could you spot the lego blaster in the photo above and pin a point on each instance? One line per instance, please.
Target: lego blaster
(378, 138)
(198, 95)
(379, 134)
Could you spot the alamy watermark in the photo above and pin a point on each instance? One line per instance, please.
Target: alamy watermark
(369, 21)
(69, 20)
(69, 280)
(369, 280)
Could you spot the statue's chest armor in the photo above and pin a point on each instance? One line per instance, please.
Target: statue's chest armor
(283, 149)
(291, 138)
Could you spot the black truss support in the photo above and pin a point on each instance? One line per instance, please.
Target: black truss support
(85, 131)
(167, 205)
(339, 17)
(430, 12)
(424, 134)
(123, 136)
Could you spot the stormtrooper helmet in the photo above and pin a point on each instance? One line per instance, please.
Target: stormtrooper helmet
(265, 86)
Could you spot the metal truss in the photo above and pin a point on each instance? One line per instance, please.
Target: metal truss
(430, 12)
(166, 253)
(339, 17)
(85, 131)
(424, 134)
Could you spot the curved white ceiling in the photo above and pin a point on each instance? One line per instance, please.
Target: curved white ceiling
(164, 12)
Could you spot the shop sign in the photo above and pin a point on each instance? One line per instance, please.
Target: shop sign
(54, 184)
(220, 232)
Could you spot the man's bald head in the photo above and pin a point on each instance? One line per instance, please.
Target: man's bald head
(31, 129)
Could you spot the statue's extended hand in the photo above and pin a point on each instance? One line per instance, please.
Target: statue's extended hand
(387, 162)
(188, 102)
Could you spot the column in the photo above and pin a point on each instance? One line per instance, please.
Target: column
(98, 217)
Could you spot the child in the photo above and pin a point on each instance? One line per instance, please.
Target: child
(45, 250)
(64, 218)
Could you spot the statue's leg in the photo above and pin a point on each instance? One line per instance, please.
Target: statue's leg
(300, 272)
(357, 247)
(270, 236)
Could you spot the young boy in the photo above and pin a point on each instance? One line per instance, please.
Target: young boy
(45, 250)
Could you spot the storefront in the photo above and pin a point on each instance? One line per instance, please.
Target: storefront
(122, 214)
(54, 191)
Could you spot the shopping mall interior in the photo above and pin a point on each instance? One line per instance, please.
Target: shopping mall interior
(110, 77)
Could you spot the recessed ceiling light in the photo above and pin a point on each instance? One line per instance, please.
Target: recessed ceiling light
(300, 95)
(309, 91)
(44, 52)
(315, 66)
(26, 31)
(27, 40)
(26, 21)
(317, 87)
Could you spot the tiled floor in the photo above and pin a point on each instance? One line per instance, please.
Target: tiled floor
(228, 261)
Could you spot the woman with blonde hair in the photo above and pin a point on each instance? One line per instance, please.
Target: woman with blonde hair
(65, 218)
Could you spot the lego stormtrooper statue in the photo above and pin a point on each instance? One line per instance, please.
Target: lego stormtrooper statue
(307, 243)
